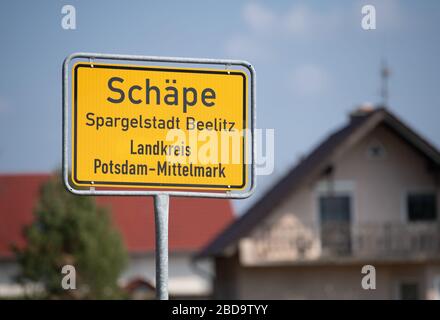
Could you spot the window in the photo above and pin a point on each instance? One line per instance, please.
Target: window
(376, 150)
(421, 207)
(334, 209)
(408, 291)
(437, 288)
(335, 216)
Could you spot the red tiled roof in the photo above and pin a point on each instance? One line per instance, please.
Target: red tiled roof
(192, 223)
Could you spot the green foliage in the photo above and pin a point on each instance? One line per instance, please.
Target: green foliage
(70, 229)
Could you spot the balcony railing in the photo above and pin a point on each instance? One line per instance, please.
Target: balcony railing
(340, 241)
(410, 240)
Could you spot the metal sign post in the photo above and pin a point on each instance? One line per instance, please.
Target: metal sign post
(99, 155)
(161, 213)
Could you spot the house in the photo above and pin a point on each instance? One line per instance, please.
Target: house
(192, 224)
(366, 196)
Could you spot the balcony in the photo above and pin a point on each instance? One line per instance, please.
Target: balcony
(297, 243)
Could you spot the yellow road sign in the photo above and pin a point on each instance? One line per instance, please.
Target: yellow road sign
(159, 127)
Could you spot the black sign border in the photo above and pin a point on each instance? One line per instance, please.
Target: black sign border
(83, 183)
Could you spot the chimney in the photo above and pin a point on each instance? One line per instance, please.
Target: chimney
(362, 110)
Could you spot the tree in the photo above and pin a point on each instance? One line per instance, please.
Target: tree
(71, 230)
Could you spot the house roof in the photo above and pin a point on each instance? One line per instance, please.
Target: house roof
(192, 223)
(317, 162)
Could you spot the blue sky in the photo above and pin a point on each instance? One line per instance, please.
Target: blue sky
(314, 63)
